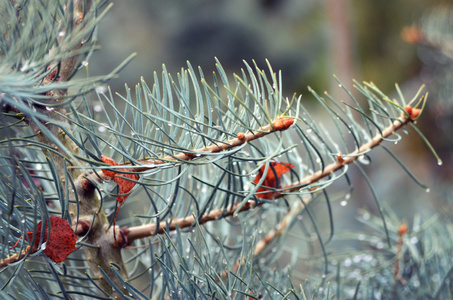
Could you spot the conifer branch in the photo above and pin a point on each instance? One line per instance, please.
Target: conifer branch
(147, 230)
(343, 160)
(279, 124)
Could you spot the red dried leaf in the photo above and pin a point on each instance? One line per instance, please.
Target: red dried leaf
(111, 162)
(271, 181)
(125, 186)
(62, 239)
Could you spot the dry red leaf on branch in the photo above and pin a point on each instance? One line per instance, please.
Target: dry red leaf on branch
(272, 179)
(62, 239)
(125, 186)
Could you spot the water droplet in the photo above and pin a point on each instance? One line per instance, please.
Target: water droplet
(380, 245)
(347, 262)
(22, 220)
(299, 217)
(309, 130)
(101, 89)
(38, 167)
(323, 275)
(170, 124)
(61, 34)
(416, 283)
(339, 85)
(361, 237)
(344, 203)
(102, 129)
(428, 190)
(396, 142)
(367, 258)
(414, 240)
(84, 63)
(363, 159)
(366, 216)
(43, 246)
(347, 196)
(439, 162)
(157, 129)
(406, 131)
(25, 66)
(97, 108)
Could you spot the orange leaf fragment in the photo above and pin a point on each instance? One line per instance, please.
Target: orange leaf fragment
(125, 185)
(283, 123)
(272, 180)
(62, 239)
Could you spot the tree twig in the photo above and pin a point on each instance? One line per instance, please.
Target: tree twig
(147, 230)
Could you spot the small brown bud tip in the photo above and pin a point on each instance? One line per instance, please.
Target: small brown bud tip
(415, 113)
(403, 229)
(412, 35)
(82, 228)
(408, 109)
(340, 159)
(87, 186)
(412, 112)
(241, 136)
(190, 155)
(283, 123)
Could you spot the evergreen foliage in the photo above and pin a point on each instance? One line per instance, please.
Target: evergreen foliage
(197, 221)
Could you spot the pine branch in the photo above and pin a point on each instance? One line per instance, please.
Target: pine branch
(279, 124)
(345, 159)
(147, 230)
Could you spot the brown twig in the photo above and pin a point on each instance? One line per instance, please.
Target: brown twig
(396, 272)
(349, 158)
(279, 124)
(14, 258)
